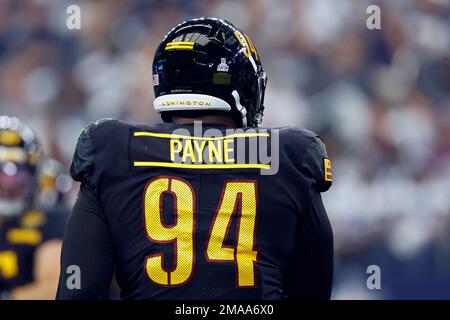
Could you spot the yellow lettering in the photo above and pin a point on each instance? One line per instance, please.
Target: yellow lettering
(215, 151)
(175, 147)
(227, 149)
(188, 151)
(199, 148)
(252, 47)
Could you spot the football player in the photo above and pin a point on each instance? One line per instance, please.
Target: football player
(176, 211)
(30, 239)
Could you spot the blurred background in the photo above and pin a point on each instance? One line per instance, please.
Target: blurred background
(379, 98)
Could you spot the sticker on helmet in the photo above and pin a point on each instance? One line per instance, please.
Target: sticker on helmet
(249, 48)
(223, 66)
(222, 78)
(189, 45)
(10, 138)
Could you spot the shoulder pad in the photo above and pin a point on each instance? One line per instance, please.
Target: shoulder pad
(83, 160)
(311, 156)
(318, 164)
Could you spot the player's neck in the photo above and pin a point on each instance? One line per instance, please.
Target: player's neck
(212, 119)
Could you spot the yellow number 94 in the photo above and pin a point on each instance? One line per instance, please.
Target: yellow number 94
(240, 195)
(182, 232)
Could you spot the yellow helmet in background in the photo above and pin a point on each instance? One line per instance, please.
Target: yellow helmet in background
(20, 155)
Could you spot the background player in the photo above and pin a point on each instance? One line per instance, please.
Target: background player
(30, 239)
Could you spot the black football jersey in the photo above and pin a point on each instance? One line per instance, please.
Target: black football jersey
(178, 213)
(19, 239)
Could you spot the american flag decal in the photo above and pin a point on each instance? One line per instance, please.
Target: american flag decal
(155, 79)
(328, 173)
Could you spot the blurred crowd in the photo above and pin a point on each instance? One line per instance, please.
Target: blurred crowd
(379, 98)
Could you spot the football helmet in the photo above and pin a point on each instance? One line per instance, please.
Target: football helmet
(19, 160)
(208, 66)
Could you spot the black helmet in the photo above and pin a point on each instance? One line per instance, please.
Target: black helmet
(207, 66)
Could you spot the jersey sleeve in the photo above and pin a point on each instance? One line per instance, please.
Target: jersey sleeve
(310, 274)
(316, 163)
(87, 245)
(83, 159)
